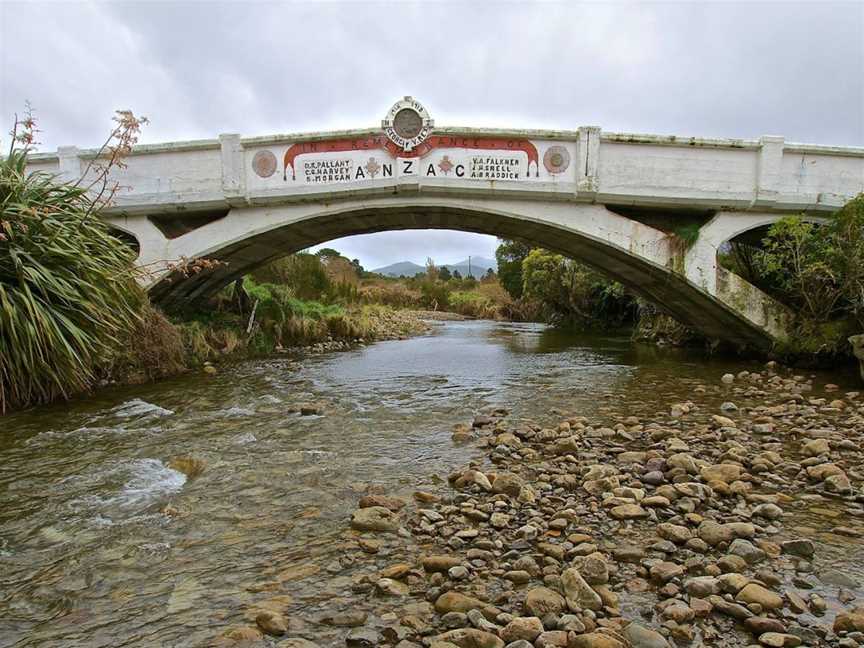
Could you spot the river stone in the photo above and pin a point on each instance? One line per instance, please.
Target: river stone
(374, 518)
(642, 637)
(362, 638)
(747, 550)
(839, 484)
(759, 625)
(594, 569)
(271, 623)
(440, 563)
(755, 593)
(541, 601)
(768, 511)
(345, 619)
(471, 638)
(457, 602)
(816, 447)
(508, 484)
(595, 640)
(628, 512)
(473, 477)
(663, 572)
(517, 576)
(296, 642)
(721, 472)
(241, 634)
(567, 445)
(734, 610)
(524, 628)
(551, 639)
(852, 621)
(799, 547)
(702, 586)
(779, 640)
(579, 593)
(714, 533)
(732, 582)
(390, 587)
(674, 532)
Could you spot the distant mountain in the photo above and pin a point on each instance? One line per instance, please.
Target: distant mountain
(479, 267)
(401, 269)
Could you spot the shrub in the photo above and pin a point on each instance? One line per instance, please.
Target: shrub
(304, 273)
(817, 268)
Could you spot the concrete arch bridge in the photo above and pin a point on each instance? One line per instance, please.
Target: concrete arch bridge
(610, 200)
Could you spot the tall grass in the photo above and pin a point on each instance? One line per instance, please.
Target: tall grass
(67, 288)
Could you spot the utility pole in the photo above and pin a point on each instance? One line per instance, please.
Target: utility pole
(469, 266)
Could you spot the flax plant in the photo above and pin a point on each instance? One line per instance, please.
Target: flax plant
(67, 286)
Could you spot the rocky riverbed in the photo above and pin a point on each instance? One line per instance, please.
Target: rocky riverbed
(714, 522)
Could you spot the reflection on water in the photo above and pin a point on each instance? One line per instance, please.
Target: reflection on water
(103, 544)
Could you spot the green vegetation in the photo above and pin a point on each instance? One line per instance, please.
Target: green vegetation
(547, 285)
(509, 256)
(815, 268)
(68, 295)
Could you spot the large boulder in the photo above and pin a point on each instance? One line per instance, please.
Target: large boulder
(507, 483)
(850, 621)
(579, 593)
(374, 518)
(541, 601)
(524, 628)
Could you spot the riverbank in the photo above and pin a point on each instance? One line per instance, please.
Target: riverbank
(718, 520)
(207, 341)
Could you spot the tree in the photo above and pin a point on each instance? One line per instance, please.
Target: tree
(817, 268)
(510, 254)
(325, 253)
(457, 274)
(361, 272)
(444, 273)
(431, 269)
(490, 274)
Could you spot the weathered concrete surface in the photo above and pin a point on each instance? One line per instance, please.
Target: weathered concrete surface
(269, 196)
(857, 342)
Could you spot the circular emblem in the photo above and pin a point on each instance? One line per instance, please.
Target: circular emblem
(264, 163)
(556, 159)
(407, 124)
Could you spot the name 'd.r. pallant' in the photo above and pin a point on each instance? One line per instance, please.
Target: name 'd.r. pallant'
(327, 170)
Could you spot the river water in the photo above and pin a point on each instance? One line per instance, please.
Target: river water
(103, 544)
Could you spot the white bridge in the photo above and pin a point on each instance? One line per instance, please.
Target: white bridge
(611, 200)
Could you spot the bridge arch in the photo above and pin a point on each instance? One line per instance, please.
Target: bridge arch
(643, 258)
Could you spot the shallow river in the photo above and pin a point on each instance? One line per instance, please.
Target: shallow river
(102, 544)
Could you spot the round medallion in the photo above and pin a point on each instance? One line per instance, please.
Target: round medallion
(556, 159)
(264, 163)
(407, 124)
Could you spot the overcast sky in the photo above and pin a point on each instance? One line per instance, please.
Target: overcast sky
(197, 69)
